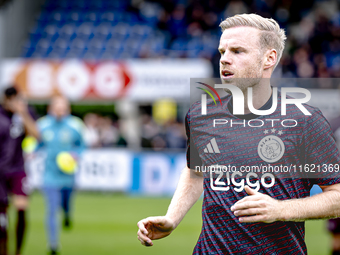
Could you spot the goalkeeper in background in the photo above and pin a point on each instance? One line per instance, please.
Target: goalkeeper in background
(62, 139)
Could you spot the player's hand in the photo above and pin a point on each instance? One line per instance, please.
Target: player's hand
(257, 207)
(153, 228)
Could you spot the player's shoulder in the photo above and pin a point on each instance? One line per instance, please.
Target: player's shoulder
(44, 122)
(5, 125)
(304, 111)
(314, 117)
(76, 123)
(4, 116)
(195, 106)
(212, 106)
(2, 110)
(315, 112)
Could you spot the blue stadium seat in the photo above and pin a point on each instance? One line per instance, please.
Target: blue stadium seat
(116, 5)
(107, 16)
(85, 31)
(81, 4)
(179, 45)
(194, 47)
(114, 45)
(36, 33)
(43, 45)
(51, 33)
(210, 43)
(130, 18)
(56, 54)
(75, 17)
(112, 16)
(28, 48)
(125, 55)
(78, 44)
(67, 31)
(61, 44)
(149, 13)
(43, 17)
(64, 4)
(74, 54)
(103, 31)
(93, 17)
(107, 55)
(133, 46)
(120, 31)
(92, 55)
(58, 17)
(140, 31)
(98, 5)
(96, 44)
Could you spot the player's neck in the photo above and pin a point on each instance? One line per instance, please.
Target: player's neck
(260, 95)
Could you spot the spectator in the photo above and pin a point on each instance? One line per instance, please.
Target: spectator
(91, 134)
(149, 130)
(109, 133)
(175, 135)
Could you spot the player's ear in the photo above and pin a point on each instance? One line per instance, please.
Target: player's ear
(270, 58)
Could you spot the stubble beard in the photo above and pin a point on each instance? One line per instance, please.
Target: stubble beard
(251, 78)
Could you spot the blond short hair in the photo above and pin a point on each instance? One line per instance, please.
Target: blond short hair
(271, 36)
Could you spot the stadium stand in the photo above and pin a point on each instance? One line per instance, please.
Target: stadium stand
(112, 29)
(100, 29)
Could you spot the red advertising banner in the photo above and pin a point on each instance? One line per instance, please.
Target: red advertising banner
(79, 80)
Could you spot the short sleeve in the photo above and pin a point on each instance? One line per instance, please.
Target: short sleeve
(321, 150)
(193, 158)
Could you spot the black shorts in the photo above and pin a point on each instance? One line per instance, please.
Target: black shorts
(334, 225)
(16, 183)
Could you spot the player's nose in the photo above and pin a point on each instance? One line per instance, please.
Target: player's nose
(225, 59)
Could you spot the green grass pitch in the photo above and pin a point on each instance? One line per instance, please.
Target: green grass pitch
(106, 224)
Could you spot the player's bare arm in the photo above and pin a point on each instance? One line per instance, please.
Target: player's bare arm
(189, 189)
(19, 106)
(258, 207)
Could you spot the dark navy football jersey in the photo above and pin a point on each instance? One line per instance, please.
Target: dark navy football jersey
(16, 133)
(278, 155)
(6, 155)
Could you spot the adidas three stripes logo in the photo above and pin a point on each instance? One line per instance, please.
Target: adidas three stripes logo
(212, 147)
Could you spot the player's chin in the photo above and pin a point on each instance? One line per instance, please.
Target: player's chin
(227, 80)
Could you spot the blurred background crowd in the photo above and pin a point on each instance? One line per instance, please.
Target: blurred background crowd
(102, 29)
(103, 131)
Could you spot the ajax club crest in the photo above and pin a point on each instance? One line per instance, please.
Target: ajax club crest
(271, 148)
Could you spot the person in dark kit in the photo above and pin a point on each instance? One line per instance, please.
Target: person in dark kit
(6, 152)
(21, 122)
